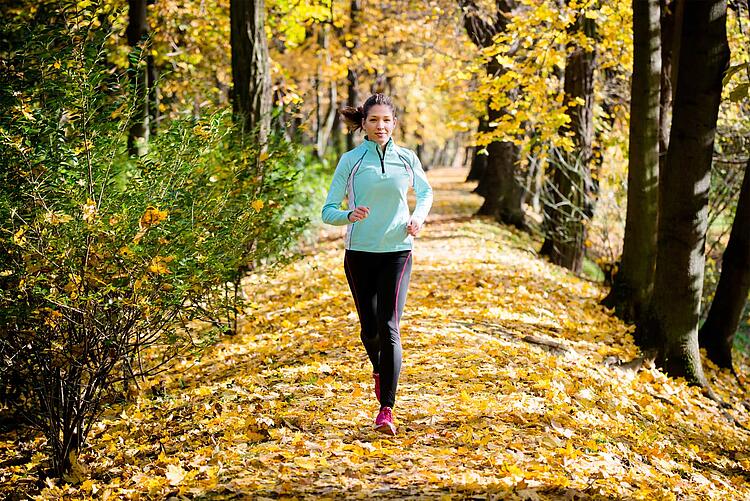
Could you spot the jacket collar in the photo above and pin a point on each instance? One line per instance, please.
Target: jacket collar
(373, 146)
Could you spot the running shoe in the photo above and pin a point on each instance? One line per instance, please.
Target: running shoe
(384, 422)
(376, 377)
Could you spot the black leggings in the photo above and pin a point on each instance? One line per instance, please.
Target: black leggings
(379, 282)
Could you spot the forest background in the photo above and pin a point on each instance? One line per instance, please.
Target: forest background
(155, 153)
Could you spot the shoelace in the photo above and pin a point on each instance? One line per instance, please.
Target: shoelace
(386, 414)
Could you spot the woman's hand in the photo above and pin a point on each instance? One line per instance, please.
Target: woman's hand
(413, 227)
(358, 214)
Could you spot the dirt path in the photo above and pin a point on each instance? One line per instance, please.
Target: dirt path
(285, 409)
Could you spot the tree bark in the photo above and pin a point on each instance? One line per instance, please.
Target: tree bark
(479, 161)
(671, 321)
(671, 26)
(570, 201)
(352, 99)
(251, 74)
(136, 31)
(717, 332)
(633, 282)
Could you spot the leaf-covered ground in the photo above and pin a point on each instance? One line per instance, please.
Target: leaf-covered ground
(504, 394)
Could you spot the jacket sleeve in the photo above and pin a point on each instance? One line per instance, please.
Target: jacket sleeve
(422, 189)
(332, 213)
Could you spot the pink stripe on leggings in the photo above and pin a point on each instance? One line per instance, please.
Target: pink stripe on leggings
(398, 288)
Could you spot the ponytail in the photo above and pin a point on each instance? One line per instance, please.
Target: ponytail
(353, 117)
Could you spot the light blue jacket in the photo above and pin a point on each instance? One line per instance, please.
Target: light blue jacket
(379, 179)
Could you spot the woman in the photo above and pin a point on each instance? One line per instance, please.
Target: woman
(375, 176)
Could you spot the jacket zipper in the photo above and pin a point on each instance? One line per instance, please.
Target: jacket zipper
(382, 159)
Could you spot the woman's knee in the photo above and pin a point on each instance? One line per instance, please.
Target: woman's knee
(390, 335)
(368, 335)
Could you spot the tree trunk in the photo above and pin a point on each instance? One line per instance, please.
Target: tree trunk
(251, 75)
(717, 333)
(571, 200)
(502, 191)
(671, 321)
(352, 99)
(338, 137)
(136, 31)
(352, 95)
(327, 119)
(634, 281)
(671, 26)
(479, 161)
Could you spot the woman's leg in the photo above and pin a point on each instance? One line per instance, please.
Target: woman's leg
(393, 282)
(361, 273)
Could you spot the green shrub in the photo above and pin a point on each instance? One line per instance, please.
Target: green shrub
(105, 258)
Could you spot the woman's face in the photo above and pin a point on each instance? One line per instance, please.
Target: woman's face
(379, 123)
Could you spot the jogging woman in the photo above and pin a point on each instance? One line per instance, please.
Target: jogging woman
(375, 177)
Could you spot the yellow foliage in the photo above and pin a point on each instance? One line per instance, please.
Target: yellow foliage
(55, 218)
(152, 217)
(158, 265)
(88, 211)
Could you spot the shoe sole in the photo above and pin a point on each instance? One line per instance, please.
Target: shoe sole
(387, 428)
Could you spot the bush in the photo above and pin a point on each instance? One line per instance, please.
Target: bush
(104, 258)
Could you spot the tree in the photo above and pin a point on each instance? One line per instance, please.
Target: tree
(352, 96)
(502, 191)
(671, 24)
(142, 76)
(251, 74)
(634, 281)
(325, 117)
(569, 200)
(478, 161)
(717, 332)
(670, 322)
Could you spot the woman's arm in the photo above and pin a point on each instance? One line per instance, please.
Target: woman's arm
(423, 190)
(332, 213)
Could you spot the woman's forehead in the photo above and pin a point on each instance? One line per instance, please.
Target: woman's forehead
(380, 110)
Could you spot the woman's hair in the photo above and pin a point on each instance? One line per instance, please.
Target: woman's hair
(353, 116)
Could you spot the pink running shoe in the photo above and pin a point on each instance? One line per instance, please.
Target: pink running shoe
(376, 377)
(384, 422)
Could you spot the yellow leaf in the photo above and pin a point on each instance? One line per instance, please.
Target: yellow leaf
(175, 474)
(257, 205)
(89, 211)
(159, 265)
(18, 237)
(152, 217)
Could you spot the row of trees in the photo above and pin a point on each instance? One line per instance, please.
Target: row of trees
(660, 283)
(680, 58)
